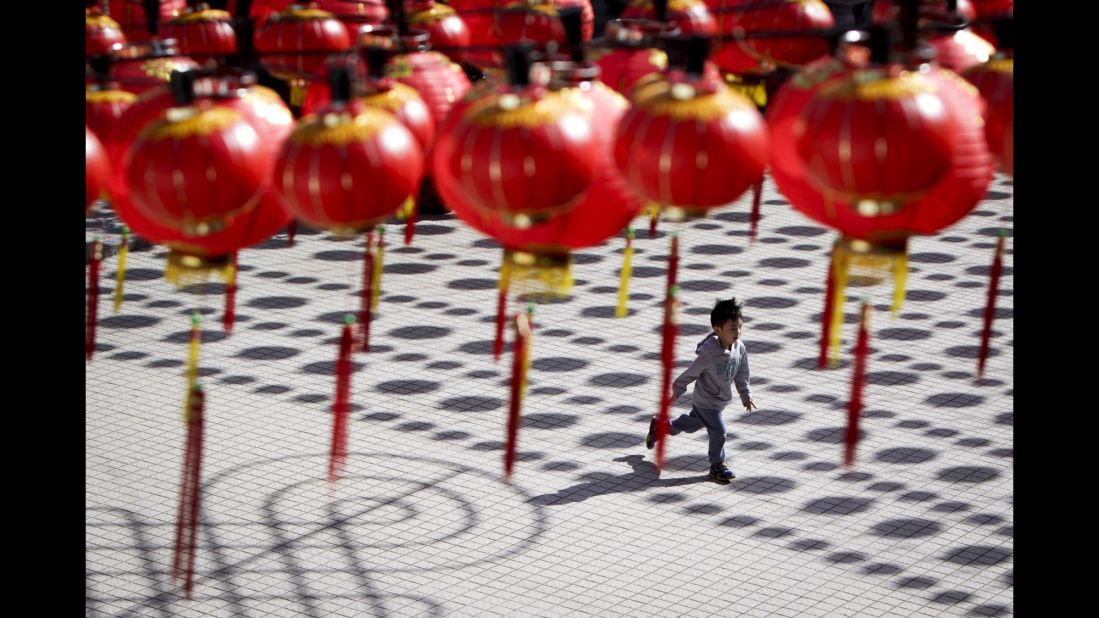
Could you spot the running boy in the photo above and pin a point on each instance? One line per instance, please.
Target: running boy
(721, 362)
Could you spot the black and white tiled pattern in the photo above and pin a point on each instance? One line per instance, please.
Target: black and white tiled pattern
(423, 525)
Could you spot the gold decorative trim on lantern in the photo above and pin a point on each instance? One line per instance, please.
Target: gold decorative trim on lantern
(437, 12)
(295, 13)
(184, 267)
(207, 14)
(875, 85)
(342, 128)
(673, 5)
(1001, 65)
(190, 121)
(161, 68)
(109, 96)
(392, 99)
(668, 99)
(537, 276)
(101, 21)
(508, 111)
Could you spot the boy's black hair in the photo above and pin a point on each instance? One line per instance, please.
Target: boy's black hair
(724, 311)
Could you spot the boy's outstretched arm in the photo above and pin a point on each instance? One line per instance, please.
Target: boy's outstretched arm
(742, 381)
(679, 386)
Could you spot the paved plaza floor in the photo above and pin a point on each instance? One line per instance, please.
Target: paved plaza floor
(423, 523)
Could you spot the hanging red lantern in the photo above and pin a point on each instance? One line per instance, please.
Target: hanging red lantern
(691, 16)
(995, 80)
(97, 171)
(445, 27)
(261, 10)
(101, 33)
(193, 256)
(384, 92)
(137, 67)
(633, 54)
(202, 32)
(132, 18)
(294, 44)
(197, 167)
(534, 21)
(484, 32)
(355, 13)
(691, 143)
(348, 167)
(104, 105)
(605, 208)
(961, 50)
(762, 55)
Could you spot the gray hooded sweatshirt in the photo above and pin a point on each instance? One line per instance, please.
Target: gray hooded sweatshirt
(715, 369)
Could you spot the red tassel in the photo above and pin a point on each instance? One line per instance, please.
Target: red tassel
(501, 308)
(667, 361)
(92, 310)
(858, 378)
(523, 328)
(183, 560)
(341, 408)
(291, 232)
(229, 318)
(990, 306)
(757, 192)
(673, 262)
(410, 223)
(367, 291)
(826, 315)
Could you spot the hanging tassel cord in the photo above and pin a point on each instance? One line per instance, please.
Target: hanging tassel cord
(523, 325)
(667, 362)
(621, 310)
(990, 305)
(826, 314)
(291, 232)
(858, 381)
(379, 261)
(412, 210)
(654, 217)
(120, 273)
(341, 407)
(92, 310)
(186, 541)
(367, 294)
(757, 193)
(501, 307)
(841, 260)
(229, 316)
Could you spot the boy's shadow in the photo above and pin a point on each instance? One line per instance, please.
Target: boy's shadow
(644, 476)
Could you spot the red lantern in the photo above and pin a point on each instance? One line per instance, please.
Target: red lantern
(534, 21)
(606, 207)
(197, 167)
(405, 104)
(762, 55)
(961, 50)
(202, 31)
(633, 55)
(137, 67)
(104, 105)
(444, 26)
(294, 43)
(995, 80)
(194, 254)
(692, 16)
(876, 140)
(691, 142)
(484, 32)
(438, 80)
(130, 14)
(97, 170)
(523, 154)
(355, 13)
(101, 33)
(348, 167)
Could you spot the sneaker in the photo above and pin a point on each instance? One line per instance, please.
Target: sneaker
(721, 473)
(650, 438)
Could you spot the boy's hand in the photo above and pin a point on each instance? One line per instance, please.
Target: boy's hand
(751, 405)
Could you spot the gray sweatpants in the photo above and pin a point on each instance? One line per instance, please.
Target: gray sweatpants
(715, 427)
